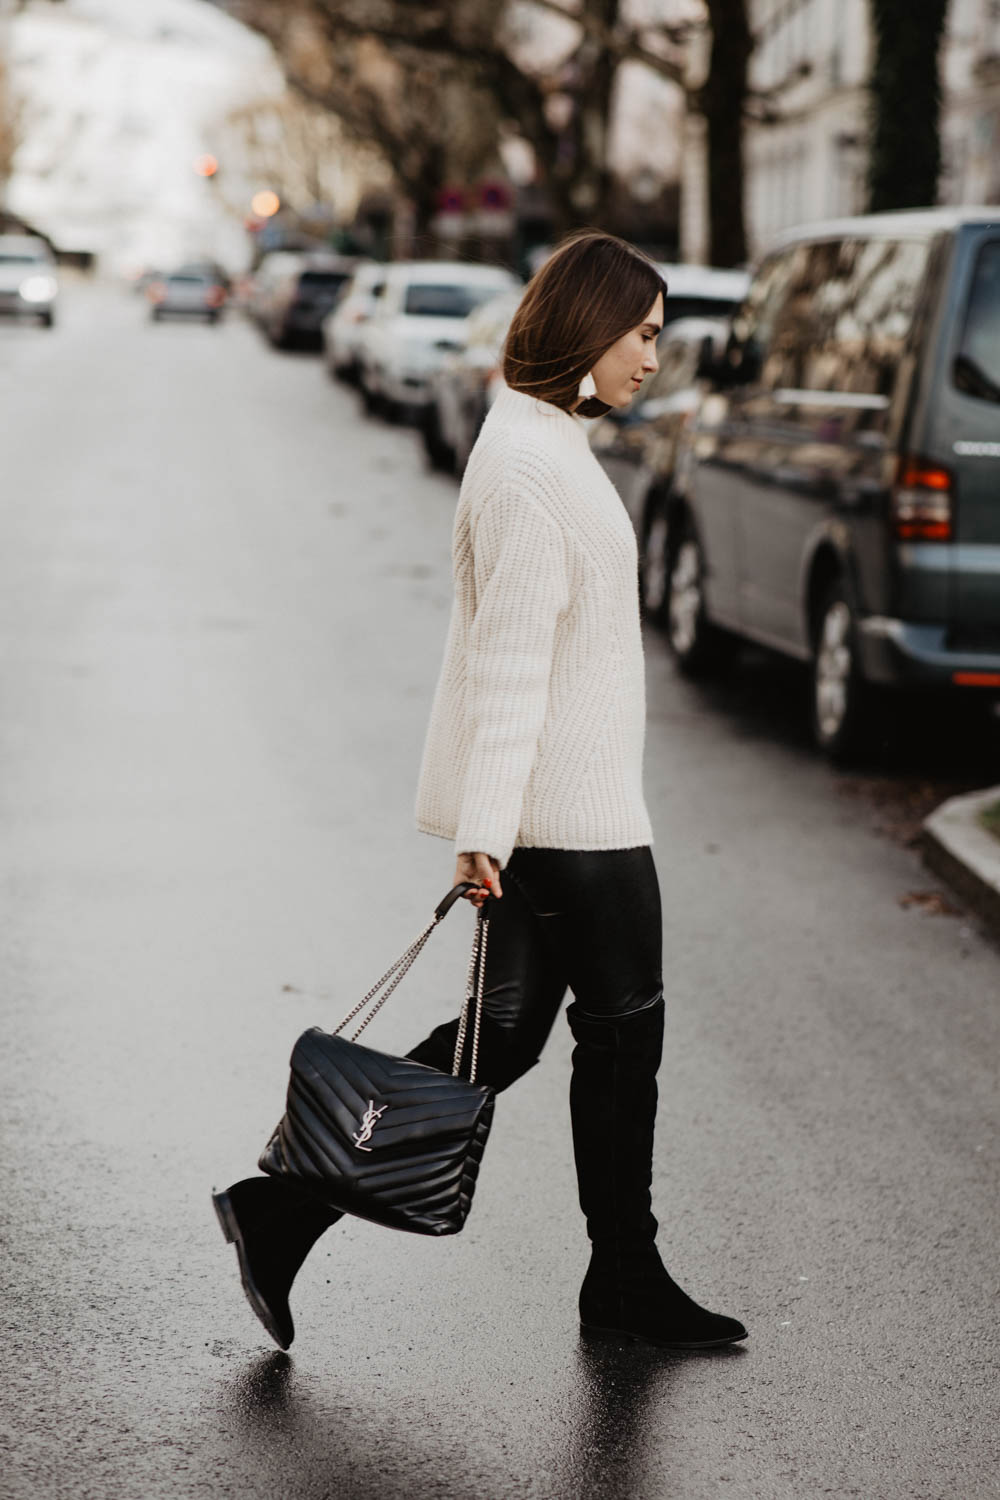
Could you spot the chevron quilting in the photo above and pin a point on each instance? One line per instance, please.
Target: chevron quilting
(419, 1171)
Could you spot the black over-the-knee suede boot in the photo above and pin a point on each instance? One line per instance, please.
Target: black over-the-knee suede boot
(613, 1105)
(273, 1225)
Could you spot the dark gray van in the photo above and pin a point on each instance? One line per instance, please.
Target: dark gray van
(838, 496)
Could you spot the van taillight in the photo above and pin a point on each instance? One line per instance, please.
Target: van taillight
(921, 503)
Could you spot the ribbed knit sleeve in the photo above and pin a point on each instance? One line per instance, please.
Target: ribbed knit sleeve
(521, 587)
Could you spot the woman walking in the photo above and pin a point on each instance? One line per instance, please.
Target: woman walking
(533, 767)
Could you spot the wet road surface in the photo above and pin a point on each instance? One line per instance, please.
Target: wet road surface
(223, 598)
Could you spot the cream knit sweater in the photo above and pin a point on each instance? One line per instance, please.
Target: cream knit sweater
(536, 732)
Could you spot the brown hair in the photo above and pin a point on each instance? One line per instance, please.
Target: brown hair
(593, 289)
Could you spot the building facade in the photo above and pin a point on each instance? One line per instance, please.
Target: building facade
(810, 69)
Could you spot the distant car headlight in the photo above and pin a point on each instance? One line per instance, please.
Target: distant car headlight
(38, 288)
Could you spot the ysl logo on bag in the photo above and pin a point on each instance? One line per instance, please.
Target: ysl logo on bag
(368, 1122)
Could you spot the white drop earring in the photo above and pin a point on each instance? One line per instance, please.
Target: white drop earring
(588, 387)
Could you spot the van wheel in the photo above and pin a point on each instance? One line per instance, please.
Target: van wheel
(842, 707)
(698, 646)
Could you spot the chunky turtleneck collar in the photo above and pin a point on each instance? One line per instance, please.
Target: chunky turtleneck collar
(518, 408)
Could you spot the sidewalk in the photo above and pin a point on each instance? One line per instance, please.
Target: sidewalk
(959, 849)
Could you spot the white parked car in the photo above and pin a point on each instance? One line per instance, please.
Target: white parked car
(418, 320)
(28, 284)
(342, 328)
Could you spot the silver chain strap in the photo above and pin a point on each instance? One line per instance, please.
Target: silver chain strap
(473, 989)
(398, 969)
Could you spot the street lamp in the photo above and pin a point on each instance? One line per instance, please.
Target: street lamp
(265, 204)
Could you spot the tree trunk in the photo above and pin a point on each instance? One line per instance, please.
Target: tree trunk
(422, 184)
(573, 161)
(905, 104)
(723, 97)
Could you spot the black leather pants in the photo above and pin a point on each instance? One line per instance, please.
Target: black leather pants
(587, 920)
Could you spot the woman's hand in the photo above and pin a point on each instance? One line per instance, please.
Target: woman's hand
(484, 871)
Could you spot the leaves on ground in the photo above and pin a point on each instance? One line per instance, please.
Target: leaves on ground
(935, 903)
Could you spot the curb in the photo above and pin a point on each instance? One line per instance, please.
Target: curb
(957, 847)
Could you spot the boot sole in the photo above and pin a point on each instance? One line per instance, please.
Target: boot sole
(593, 1330)
(229, 1223)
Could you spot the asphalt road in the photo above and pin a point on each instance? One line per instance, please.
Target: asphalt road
(223, 598)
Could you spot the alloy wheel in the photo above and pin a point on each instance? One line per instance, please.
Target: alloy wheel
(685, 597)
(655, 572)
(834, 663)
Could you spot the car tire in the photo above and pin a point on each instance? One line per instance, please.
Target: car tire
(440, 455)
(699, 647)
(369, 398)
(47, 319)
(843, 707)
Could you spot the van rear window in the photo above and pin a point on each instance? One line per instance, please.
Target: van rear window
(977, 364)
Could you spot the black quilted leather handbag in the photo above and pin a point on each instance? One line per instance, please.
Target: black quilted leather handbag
(384, 1137)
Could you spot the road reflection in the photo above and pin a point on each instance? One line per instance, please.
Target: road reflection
(262, 1394)
(624, 1404)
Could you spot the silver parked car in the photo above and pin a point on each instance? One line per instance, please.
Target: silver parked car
(460, 388)
(28, 283)
(639, 446)
(191, 294)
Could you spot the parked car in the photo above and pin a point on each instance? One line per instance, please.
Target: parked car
(702, 291)
(206, 267)
(341, 329)
(28, 283)
(415, 323)
(638, 445)
(838, 493)
(458, 395)
(272, 268)
(301, 298)
(187, 294)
